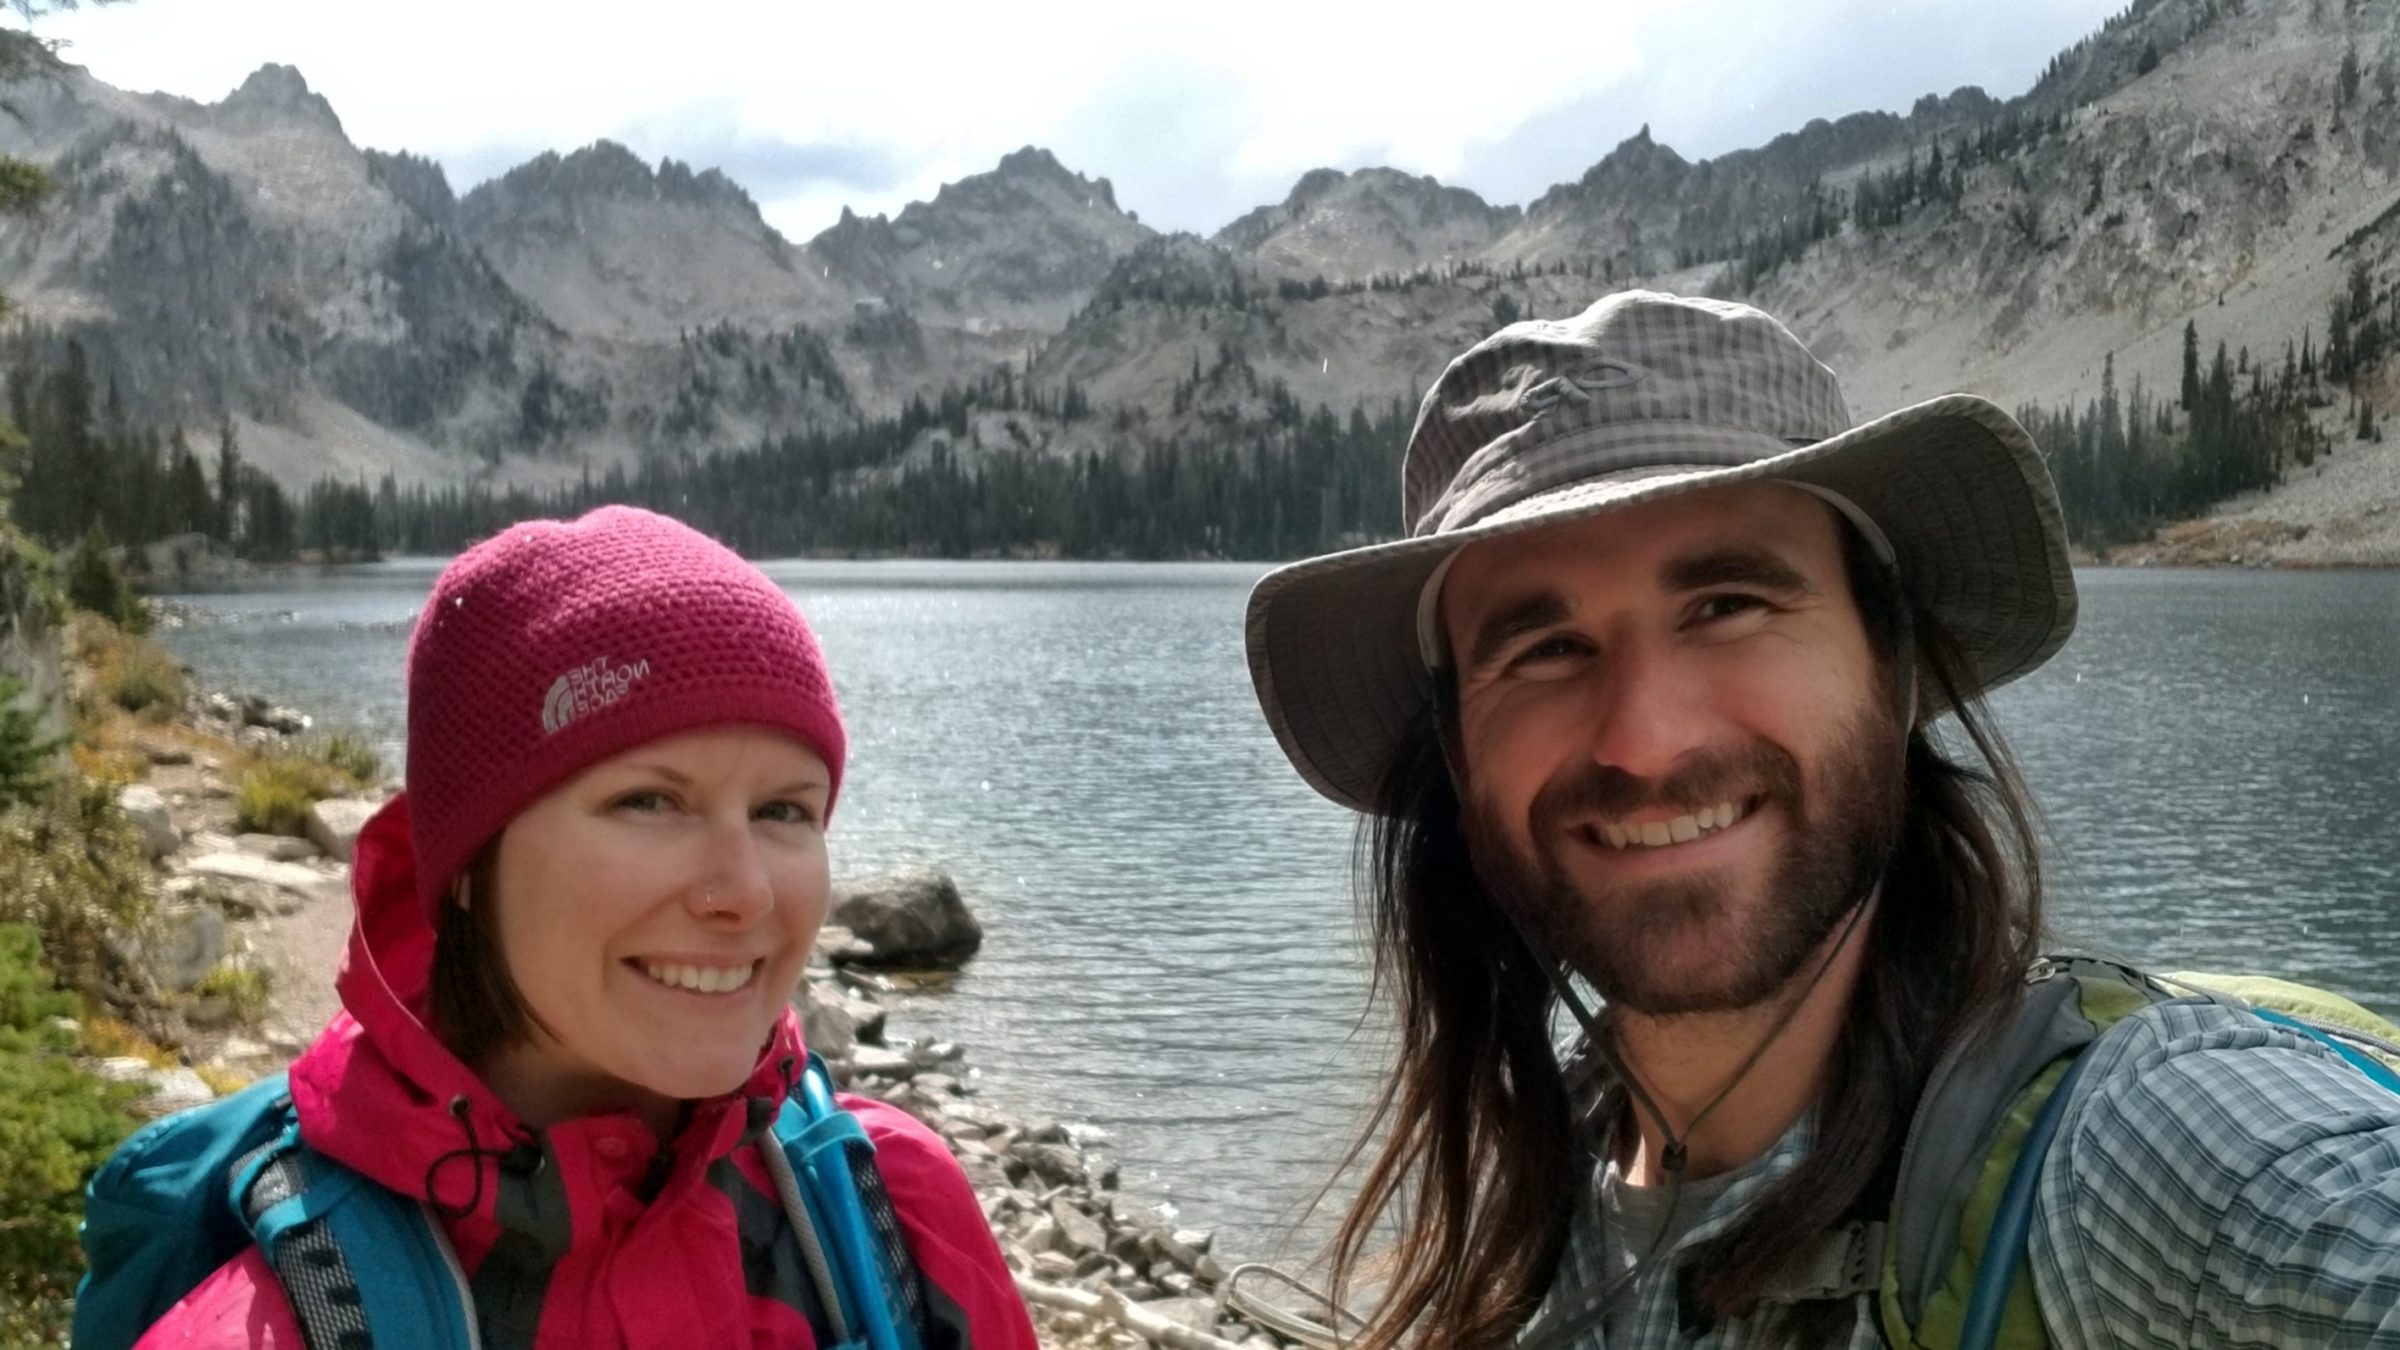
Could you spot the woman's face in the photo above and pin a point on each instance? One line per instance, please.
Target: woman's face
(655, 912)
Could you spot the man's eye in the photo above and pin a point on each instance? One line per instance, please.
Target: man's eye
(1726, 606)
(1546, 653)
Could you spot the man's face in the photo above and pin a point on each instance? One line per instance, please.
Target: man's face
(1682, 760)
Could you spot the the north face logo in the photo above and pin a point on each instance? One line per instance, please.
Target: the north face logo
(587, 688)
(1579, 384)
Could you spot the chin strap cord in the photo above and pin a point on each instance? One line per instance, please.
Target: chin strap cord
(1676, 1153)
(1573, 1316)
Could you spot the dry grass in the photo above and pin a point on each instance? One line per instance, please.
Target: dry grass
(106, 1037)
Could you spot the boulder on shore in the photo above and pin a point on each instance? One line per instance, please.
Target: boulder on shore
(333, 824)
(148, 811)
(913, 919)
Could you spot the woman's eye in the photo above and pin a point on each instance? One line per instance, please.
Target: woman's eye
(787, 813)
(644, 802)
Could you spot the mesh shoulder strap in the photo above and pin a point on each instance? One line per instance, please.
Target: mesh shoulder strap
(851, 1211)
(364, 1268)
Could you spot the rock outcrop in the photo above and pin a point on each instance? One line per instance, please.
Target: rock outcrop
(2230, 166)
(913, 919)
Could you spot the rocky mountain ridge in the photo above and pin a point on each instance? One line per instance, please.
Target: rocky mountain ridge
(2227, 163)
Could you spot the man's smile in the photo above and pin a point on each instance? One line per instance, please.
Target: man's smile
(1667, 831)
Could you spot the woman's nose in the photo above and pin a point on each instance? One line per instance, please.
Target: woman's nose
(733, 884)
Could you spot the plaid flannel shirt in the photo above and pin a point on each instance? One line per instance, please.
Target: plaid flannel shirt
(2216, 1181)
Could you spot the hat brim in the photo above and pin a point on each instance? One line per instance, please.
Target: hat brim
(1955, 484)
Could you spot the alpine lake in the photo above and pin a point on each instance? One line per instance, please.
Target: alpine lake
(1171, 958)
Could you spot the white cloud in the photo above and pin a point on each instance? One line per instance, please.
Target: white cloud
(1197, 112)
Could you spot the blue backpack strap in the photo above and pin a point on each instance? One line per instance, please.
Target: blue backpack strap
(363, 1267)
(2377, 1072)
(2013, 1222)
(835, 1163)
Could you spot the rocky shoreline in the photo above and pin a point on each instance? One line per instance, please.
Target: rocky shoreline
(1099, 1268)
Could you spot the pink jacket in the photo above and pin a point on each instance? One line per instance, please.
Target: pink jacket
(567, 1252)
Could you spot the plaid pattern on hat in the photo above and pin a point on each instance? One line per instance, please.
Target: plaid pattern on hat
(1640, 397)
(556, 644)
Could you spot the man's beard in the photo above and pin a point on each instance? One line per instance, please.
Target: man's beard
(1840, 847)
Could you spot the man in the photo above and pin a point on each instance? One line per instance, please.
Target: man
(1643, 708)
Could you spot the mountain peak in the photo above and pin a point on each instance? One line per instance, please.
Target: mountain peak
(1637, 156)
(277, 88)
(606, 170)
(1033, 166)
(1032, 160)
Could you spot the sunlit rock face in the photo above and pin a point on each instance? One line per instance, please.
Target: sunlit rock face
(351, 311)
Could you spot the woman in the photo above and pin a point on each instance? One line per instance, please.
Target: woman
(566, 1030)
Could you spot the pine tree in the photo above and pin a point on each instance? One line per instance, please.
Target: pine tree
(229, 484)
(2191, 365)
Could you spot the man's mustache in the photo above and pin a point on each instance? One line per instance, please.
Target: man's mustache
(1600, 790)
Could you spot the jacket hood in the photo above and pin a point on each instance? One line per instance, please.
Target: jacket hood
(380, 1094)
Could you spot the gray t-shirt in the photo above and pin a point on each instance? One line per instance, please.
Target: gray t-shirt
(1644, 1223)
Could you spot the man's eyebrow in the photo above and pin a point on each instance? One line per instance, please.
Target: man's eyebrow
(1733, 566)
(1526, 613)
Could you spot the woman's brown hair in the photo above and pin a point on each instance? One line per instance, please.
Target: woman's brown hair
(476, 1006)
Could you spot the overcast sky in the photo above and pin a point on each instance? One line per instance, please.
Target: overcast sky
(1196, 112)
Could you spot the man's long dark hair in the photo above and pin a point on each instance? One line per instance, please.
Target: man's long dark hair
(1480, 1170)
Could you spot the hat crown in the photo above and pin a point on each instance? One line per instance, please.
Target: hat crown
(1640, 381)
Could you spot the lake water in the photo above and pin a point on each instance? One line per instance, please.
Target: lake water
(1170, 955)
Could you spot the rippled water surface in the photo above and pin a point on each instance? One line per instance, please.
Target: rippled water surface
(1170, 954)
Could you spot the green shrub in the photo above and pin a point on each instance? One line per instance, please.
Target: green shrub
(243, 989)
(95, 583)
(272, 801)
(57, 1124)
(277, 789)
(28, 752)
(72, 866)
(144, 679)
(354, 756)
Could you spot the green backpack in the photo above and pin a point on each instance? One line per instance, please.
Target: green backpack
(1985, 1123)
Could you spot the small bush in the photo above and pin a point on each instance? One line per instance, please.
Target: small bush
(245, 991)
(72, 866)
(97, 585)
(28, 752)
(127, 672)
(274, 797)
(276, 790)
(106, 1037)
(354, 756)
(57, 1125)
(146, 680)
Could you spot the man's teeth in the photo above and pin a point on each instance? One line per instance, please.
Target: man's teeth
(1682, 829)
(701, 979)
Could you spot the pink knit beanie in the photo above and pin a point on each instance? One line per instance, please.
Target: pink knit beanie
(555, 644)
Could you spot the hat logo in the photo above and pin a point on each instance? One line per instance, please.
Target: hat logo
(1578, 383)
(588, 688)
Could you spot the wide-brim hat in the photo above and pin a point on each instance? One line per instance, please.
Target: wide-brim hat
(1641, 397)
